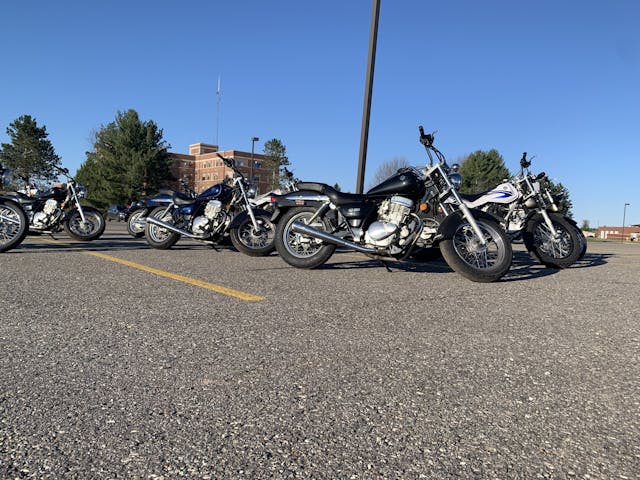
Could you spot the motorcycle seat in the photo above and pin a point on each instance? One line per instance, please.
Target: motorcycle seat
(19, 197)
(338, 198)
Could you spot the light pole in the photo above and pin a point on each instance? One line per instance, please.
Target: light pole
(253, 142)
(624, 217)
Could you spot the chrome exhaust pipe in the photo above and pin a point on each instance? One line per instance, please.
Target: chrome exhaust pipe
(171, 228)
(299, 227)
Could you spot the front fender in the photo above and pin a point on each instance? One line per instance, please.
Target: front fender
(448, 227)
(238, 219)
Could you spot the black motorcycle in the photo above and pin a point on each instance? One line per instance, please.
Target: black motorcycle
(414, 209)
(13, 220)
(60, 207)
(221, 210)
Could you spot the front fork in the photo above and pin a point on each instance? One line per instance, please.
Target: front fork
(77, 202)
(548, 221)
(469, 217)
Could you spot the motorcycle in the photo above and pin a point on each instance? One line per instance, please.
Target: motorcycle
(220, 210)
(264, 201)
(528, 211)
(406, 211)
(13, 219)
(60, 207)
(140, 210)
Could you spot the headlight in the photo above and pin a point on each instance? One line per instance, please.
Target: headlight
(7, 176)
(251, 192)
(81, 191)
(456, 180)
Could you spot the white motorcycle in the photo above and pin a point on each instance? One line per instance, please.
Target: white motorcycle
(529, 212)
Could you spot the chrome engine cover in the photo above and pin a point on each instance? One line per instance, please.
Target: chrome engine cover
(391, 216)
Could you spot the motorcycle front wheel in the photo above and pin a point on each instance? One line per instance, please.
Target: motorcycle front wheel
(157, 236)
(251, 241)
(300, 250)
(554, 251)
(136, 223)
(465, 253)
(89, 229)
(13, 225)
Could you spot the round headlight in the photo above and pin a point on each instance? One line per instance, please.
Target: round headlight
(456, 180)
(81, 190)
(251, 192)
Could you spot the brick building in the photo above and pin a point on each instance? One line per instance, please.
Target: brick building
(202, 167)
(631, 233)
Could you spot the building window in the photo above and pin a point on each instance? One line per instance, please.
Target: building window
(240, 163)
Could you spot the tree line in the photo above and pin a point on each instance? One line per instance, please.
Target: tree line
(128, 160)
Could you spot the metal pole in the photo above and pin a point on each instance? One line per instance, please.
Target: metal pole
(368, 90)
(253, 142)
(624, 217)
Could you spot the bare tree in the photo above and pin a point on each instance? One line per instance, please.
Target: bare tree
(387, 169)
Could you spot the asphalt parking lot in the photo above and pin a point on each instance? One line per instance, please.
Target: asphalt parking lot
(120, 361)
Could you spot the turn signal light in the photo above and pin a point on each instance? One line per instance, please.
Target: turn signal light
(424, 207)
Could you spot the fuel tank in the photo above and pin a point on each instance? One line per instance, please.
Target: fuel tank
(404, 183)
(219, 191)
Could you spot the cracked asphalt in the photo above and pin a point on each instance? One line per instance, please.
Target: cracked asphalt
(345, 372)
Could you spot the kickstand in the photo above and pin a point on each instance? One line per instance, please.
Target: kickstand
(384, 264)
(51, 235)
(213, 246)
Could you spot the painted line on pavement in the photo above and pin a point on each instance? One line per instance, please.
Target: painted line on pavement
(180, 278)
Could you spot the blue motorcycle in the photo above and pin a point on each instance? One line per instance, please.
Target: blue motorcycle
(222, 210)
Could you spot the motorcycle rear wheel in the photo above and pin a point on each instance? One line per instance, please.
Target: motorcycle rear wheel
(13, 225)
(158, 237)
(136, 223)
(255, 243)
(91, 229)
(560, 251)
(464, 253)
(299, 250)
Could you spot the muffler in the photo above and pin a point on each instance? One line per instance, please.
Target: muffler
(299, 227)
(171, 228)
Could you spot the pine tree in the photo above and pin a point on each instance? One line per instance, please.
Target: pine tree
(30, 154)
(129, 161)
(482, 171)
(275, 158)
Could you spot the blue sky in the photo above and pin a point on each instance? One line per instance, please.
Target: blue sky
(560, 80)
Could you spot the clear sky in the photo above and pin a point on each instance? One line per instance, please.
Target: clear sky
(558, 79)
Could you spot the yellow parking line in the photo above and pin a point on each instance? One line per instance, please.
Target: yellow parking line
(180, 278)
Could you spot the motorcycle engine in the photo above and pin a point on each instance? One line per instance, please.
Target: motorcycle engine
(392, 214)
(212, 218)
(49, 212)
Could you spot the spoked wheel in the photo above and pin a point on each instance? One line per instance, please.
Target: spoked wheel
(465, 253)
(254, 241)
(136, 223)
(556, 251)
(300, 250)
(157, 236)
(88, 229)
(13, 225)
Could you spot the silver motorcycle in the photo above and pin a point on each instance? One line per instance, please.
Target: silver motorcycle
(527, 211)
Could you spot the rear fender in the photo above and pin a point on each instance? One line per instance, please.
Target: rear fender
(299, 198)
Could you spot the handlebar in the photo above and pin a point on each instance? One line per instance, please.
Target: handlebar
(425, 139)
(524, 163)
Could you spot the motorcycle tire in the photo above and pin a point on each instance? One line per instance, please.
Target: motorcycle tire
(583, 243)
(560, 252)
(299, 250)
(465, 254)
(13, 225)
(158, 237)
(136, 223)
(91, 229)
(251, 242)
